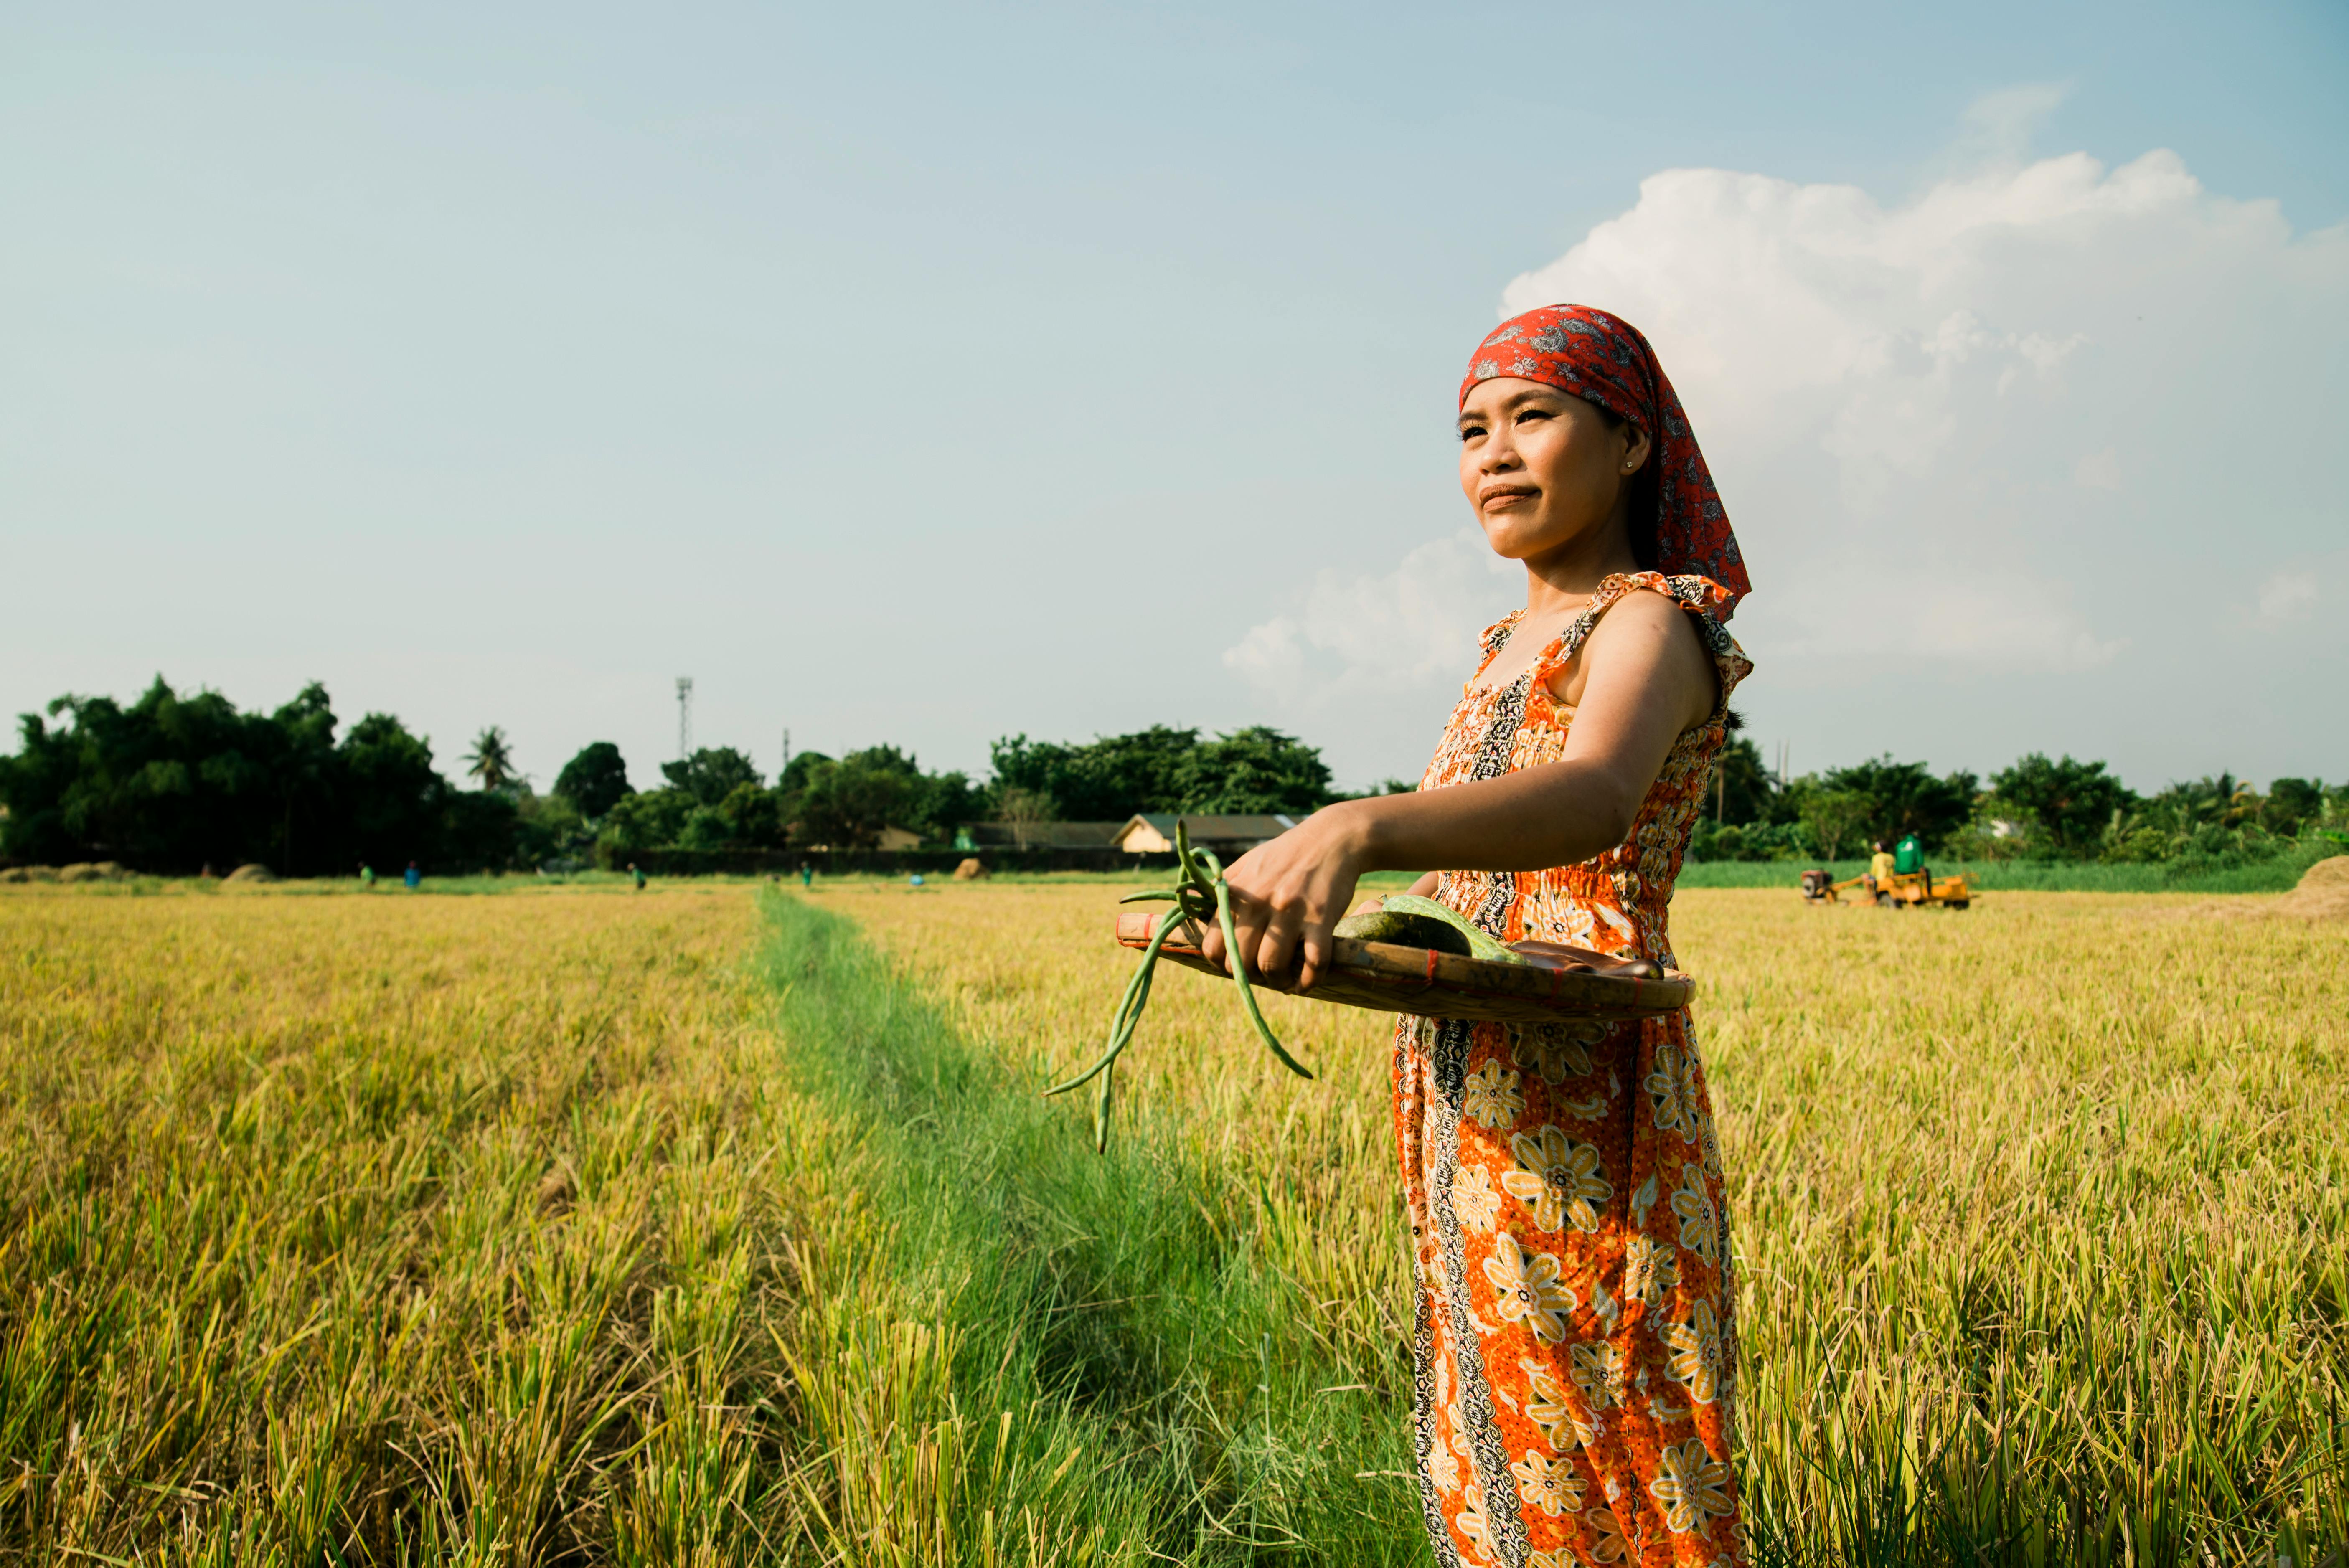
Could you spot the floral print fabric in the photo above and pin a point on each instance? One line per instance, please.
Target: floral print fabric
(1576, 1338)
(1601, 358)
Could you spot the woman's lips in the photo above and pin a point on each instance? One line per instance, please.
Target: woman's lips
(1502, 495)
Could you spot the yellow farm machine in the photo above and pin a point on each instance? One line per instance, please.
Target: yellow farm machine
(1901, 890)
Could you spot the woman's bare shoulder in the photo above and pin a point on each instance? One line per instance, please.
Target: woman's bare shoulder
(1645, 617)
(1652, 632)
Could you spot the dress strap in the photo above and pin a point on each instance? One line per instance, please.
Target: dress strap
(1493, 639)
(1699, 597)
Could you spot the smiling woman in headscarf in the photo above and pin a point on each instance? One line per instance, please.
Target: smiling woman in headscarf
(1576, 1340)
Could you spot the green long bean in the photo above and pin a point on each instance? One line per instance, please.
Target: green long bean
(1200, 895)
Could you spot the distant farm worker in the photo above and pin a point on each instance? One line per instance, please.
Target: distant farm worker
(637, 874)
(1575, 1332)
(1879, 869)
(415, 877)
(807, 874)
(1911, 857)
(366, 876)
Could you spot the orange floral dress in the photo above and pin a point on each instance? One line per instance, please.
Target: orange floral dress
(1576, 1343)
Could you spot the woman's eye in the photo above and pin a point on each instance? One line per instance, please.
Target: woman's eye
(1470, 432)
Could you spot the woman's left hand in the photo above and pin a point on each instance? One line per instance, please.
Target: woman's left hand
(1289, 892)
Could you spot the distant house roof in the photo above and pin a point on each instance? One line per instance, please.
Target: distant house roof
(1044, 835)
(1153, 832)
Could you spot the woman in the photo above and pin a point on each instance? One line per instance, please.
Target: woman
(1576, 1351)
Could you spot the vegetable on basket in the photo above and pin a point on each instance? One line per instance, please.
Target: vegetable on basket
(1202, 895)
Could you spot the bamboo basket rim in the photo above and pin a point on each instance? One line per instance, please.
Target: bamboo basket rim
(1390, 978)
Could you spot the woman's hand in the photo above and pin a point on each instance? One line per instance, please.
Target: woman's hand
(1288, 892)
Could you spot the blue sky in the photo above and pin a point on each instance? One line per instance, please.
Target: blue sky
(927, 374)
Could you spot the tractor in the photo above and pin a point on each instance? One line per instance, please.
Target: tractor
(1901, 890)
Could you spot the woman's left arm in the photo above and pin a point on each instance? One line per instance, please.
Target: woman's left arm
(1646, 680)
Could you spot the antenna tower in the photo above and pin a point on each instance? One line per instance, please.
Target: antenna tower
(684, 717)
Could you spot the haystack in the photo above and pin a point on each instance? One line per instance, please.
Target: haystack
(969, 871)
(92, 870)
(29, 875)
(2322, 892)
(252, 872)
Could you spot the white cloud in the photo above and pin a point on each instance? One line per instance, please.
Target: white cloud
(1977, 621)
(1998, 126)
(2098, 470)
(2286, 597)
(1948, 392)
(1415, 626)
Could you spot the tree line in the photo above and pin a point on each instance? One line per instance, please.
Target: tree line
(716, 799)
(172, 783)
(2036, 809)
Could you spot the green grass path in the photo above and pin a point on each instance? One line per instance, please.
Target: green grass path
(1124, 1306)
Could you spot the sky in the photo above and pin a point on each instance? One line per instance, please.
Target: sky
(923, 375)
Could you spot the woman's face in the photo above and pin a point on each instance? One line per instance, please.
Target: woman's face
(1540, 467)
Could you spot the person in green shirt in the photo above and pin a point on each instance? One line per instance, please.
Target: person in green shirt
(1909, 857)
(638, 874)
(366, 876)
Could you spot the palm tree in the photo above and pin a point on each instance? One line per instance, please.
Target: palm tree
(492, 758)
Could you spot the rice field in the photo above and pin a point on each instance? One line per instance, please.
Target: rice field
(706, 1226)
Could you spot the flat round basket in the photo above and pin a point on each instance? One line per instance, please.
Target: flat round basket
(1390, 978)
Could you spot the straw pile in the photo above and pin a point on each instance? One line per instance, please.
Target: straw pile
(2322, 892)
(252, 872)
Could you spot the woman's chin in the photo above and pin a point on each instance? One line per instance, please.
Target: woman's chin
(1512, 543)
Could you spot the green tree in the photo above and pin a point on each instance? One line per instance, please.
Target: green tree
(2072, 802)
(846, 804)
(395, 794)
(1744, 790)
(2290, 803)
(1902, 798)
(1833, 817)
(594, 780)
(751, 818)
(647, 819)
(1024, 811)
(711, 774)
(552, 827)
(797, 771)
(171, 783)
(1108, 778)
(492, 759)
(936, 804)
(1255, 770)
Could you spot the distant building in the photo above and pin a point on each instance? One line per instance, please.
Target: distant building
(1153, 833)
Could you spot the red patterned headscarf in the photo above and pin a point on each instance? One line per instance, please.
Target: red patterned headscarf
(1601, 358)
